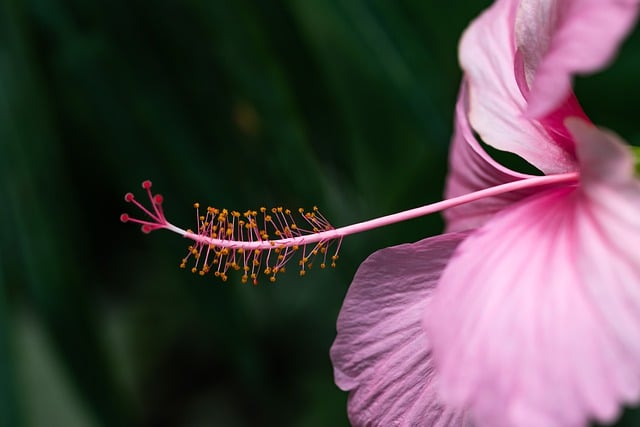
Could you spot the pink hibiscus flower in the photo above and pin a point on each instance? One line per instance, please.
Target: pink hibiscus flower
(527, 313)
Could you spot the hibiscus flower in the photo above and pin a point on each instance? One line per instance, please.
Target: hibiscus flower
(527, 311)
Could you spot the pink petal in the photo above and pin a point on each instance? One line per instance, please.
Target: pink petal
(381, 353)
(561, 38)
(496, 102)
(536, 319)
(472, 169)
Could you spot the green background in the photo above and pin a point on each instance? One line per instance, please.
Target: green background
(344, 104)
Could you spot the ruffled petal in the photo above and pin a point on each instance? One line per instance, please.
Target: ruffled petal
(536, 319)
(472, 169)
(496, 101)
(560, 38)
(381, 353)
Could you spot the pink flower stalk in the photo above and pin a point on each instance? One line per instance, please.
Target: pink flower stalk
(230, 240)
(527, 312)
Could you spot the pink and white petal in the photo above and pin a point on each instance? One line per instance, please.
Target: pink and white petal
(472, 169)
(536, 319)
(496, 102)
(381, 354)
(558, 39)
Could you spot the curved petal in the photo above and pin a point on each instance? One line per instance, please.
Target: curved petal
(561, 38)
(380, 353)
(496, 102)
(472, 169)
(536, 319)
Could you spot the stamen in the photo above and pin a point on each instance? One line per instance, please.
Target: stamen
(263, 241)
(222, 237)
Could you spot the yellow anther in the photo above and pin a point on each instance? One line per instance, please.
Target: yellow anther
(245, 278)
(267, 218)
(323, 265)
(193, 270)
(302, 272)
(201, 218)
(201, 272)
(287, 211)
(196, 205)
(272, 279)
(263, 209)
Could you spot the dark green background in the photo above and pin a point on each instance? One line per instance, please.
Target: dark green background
(343, 104)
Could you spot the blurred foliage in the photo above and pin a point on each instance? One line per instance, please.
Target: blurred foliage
(343, 104)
